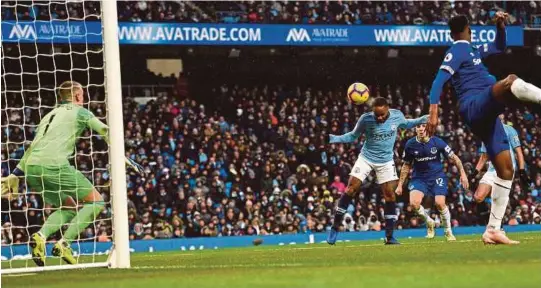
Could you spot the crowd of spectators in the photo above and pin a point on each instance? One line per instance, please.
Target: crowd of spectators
(282, 12)
(256, 162)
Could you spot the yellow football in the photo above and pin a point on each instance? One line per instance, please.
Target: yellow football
(358, 93)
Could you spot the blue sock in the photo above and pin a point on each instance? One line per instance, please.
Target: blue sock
(390, 218)
(343, 204)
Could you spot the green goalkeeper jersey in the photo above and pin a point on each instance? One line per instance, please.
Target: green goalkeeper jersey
(57, 133)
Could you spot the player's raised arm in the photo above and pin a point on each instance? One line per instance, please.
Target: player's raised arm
(350, 136)
(411, 123)
(500, 43)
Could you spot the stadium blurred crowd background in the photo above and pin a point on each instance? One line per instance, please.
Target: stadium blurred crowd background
(285, 12)
(252, 159)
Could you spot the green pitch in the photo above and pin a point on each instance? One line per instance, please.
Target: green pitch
(417, 263)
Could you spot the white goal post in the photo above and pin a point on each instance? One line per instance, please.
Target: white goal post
(119, 253)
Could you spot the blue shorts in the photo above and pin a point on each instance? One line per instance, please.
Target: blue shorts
(433, 186)
(480, 112)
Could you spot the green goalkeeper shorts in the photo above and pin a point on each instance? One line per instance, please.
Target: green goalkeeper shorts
(57, 183)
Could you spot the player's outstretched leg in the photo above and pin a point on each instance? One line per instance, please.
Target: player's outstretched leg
(390, 211)
(416, 197)
(93, 205)
(445, 217)
(522, 90)
(500, 198)
(353, 187)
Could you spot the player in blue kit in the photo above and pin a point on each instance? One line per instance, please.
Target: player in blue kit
(481, 99)
(487, 181)
(424, 154)
(380, 127)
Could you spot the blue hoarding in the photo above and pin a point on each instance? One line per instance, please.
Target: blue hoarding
(249, 34)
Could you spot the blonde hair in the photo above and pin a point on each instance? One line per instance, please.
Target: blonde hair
(67, 90)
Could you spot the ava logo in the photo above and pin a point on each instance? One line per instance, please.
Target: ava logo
(297, 35)
(22, 31)
(434, 150)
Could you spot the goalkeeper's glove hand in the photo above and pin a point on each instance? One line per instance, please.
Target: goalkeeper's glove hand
(10, 185)
(135, 166)
(525, 180)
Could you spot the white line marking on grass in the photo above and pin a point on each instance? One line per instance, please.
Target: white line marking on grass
(381, 245)
(221, 266)
(19, 275)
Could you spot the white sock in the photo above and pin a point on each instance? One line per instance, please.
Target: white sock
(500, 198)
(423, 214)
(446, 218)
(525, 91)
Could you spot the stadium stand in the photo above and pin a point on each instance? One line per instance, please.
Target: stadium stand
(287, 12)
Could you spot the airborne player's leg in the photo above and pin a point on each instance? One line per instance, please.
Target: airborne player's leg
(388, 179)
(358, 173)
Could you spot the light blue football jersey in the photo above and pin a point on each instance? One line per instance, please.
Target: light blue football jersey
(514, 142)
(380, 137)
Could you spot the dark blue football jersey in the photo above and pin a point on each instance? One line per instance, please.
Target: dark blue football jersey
(426, 158)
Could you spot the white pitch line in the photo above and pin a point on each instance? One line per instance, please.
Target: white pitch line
(220, 266)
(378, 245)
(19, 275)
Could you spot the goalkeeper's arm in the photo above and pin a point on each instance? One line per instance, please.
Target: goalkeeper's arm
(102, 129)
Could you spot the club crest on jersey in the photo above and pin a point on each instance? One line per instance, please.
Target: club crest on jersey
(448, 57)
(356, 170)
(416, 152)
(434, 150)
(411, 187)
(393, 127)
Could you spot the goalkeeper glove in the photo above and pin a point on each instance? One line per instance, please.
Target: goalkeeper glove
(524, 179)
(10, 185)
(135, 166)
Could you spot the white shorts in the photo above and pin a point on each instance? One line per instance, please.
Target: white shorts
(488, 178)
(384, 172)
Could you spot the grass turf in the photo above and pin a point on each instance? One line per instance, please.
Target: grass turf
(416, 263)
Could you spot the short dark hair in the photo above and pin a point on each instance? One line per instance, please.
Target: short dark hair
(380, 101)
(458, 23)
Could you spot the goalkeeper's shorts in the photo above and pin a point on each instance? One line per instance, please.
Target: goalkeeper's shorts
(57, 183)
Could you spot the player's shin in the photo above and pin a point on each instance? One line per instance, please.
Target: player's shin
(423, 214)
(84, 218)
(343, 204)
(390, 218)
(55, 221)
(446, 218)
(500, 198)
(525, 91)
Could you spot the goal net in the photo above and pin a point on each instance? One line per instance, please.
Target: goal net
(45, 43)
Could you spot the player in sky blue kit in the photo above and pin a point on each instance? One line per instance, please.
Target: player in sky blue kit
(481, 99)
(380, 127)
(487, 182)
(424, 154)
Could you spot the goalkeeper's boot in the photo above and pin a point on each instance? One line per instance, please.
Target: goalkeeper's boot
(333, 234)
(62, 249)
(37, 243)
(430, 231)
(391, 241)
(449, 235)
